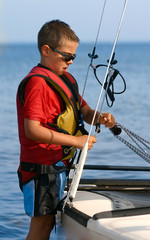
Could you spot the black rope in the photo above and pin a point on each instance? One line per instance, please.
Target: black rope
(111, 76)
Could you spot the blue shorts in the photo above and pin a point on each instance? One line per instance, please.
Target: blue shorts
(43, 194)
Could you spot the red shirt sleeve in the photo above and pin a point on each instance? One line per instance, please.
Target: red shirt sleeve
(83, 102)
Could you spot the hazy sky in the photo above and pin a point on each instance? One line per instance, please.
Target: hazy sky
(20, 20)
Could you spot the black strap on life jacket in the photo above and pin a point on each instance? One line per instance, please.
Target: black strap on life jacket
(72, 86)
(75, 93)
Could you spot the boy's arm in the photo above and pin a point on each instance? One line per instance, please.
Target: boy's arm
(35, 131)
(105, 118)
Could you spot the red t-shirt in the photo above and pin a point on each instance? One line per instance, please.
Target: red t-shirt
(42, 104)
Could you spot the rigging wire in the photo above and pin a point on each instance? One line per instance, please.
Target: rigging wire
(93, 56)
(109, 65)
(112, 72)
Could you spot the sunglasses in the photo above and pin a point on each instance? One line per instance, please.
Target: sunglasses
(66, 56)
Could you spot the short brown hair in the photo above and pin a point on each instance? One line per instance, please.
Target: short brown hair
(53, 32)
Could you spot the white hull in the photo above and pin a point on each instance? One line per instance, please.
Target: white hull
(79, 223)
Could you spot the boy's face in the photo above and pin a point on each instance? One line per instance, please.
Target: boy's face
(55, 61)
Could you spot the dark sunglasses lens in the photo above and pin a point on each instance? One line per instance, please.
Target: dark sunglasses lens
(68, 58)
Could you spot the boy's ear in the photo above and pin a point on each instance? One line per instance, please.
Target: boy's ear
(45, 50)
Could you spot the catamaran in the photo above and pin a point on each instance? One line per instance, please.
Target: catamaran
(108, 209)
(105, 209)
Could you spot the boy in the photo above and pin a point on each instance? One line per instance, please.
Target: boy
(50, 126)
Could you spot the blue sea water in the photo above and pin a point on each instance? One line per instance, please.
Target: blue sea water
(131, 109)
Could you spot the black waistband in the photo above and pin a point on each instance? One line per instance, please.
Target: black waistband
(42, 169)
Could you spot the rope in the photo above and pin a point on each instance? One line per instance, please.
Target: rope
(112, 75)
(139, 150)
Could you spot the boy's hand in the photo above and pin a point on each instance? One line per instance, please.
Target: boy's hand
(107, 119)
(82, 140)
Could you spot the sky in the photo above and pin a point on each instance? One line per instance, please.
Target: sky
(20, 20)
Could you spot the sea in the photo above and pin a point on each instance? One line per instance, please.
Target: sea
(131, 109)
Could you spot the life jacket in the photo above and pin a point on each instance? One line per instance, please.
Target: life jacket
(69, 121)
